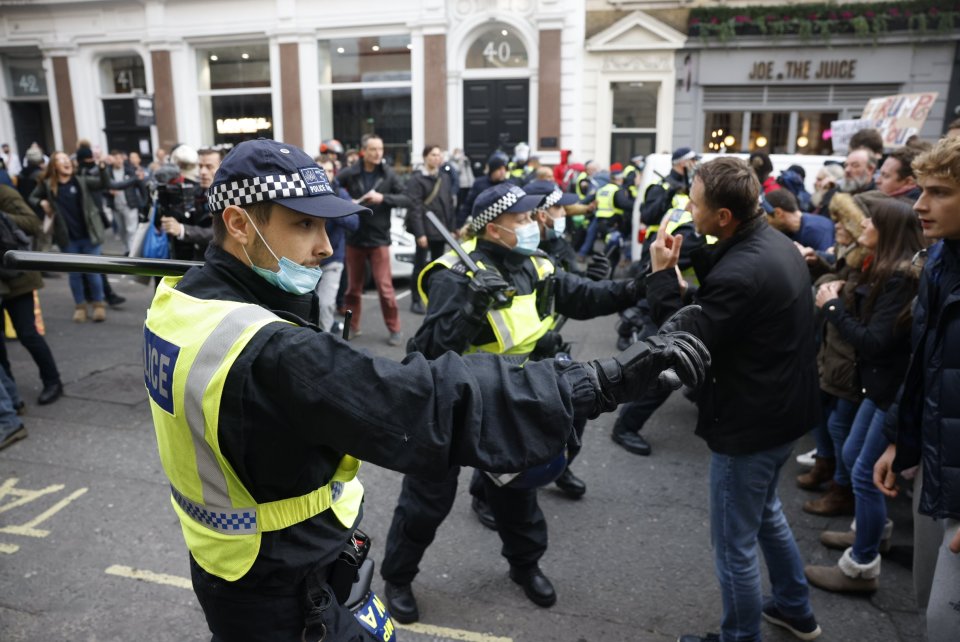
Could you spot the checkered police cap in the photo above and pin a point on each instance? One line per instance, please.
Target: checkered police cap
(267, 170)
(500, 199)
(551, 192)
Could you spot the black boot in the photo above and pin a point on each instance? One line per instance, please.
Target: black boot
(570, 484)
(630, 441)
(50, 393)
(535, 585)
(484, 514)
(401, 602)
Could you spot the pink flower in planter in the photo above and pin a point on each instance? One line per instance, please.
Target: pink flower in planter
(694, 21)
(846, 15)
(813, 16)
(907, 13)
(772, 18)
(741, 19)
(934, 11)
(832, 15)
(714, 20)
(894, 12)
(868, 14)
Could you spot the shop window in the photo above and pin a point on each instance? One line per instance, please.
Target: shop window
(723, 132)
(365, 88)
(235, 93)
(122, 75)
(810, 130)
(497, 47)
(234, 67)
(769, 132)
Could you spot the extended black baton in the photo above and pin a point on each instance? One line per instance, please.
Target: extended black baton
(500, 298)
(51, 262)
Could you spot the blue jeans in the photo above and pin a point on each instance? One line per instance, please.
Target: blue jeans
(821, 436)
(9, 400)
(745, 510)
(94, 281)
(838, 425)
(860, 452)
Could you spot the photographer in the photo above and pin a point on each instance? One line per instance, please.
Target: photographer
(184, 213)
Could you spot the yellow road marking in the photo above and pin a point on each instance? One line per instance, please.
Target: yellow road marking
(182, 582)
(453, 634)
(9, 548)
(28, 528)
(26, 496)
(149, 576)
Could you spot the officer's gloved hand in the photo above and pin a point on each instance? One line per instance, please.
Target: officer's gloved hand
(598, 268)
(644, 366)
(482, 293)
(680, 319)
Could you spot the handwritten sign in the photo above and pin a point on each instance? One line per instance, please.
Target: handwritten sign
(899, 117)
(843, 130)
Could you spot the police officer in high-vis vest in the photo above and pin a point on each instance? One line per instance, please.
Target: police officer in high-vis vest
(608, 215)
(518, 330)
(262, 419)
(672, 192)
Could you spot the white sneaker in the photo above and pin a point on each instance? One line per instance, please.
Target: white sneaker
(806, 459)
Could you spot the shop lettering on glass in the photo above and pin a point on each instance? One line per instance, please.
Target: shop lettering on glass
(845, 69)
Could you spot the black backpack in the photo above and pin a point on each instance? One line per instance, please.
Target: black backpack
(11, 238)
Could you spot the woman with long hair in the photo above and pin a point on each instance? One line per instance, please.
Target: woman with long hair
(67, 202)
(874, 317)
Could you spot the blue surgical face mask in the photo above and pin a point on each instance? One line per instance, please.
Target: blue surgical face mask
(559, 225)
(291, 276)
(528, 237)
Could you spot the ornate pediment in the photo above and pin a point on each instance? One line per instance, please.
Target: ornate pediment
(637, 32)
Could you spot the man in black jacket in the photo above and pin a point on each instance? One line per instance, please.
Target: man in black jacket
(924, 425)
(761, 393)
(429, 190)
(375, 186)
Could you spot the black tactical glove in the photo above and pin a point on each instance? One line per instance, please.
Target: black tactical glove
(482, 294)
(549, 345)
(641, 368)
(598, 268)
(677, 319)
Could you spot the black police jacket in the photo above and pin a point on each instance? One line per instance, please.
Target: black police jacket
(758, 323)
(446, 328)
(297, 399)
(925, 421)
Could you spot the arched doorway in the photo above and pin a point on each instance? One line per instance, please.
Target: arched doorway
(496, 94)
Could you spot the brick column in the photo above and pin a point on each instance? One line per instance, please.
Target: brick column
(290, 93)
(164, 105)
(548, 96)
(68, 120)
(435, 90)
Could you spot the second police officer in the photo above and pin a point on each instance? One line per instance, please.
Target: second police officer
(519, 331)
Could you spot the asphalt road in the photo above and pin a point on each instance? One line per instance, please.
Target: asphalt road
(90, 548)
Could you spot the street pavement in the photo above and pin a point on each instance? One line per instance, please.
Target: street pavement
(90, 548)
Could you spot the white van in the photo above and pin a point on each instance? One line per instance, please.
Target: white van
(660, 164)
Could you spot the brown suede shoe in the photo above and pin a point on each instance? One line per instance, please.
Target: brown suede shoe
(831, 578)
(99, 311)
(838, 500)
(821, 473)
(80, 313)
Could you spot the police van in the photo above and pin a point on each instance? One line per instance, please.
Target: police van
(658, 166)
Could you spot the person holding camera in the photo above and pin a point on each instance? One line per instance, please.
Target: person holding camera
(184, 213)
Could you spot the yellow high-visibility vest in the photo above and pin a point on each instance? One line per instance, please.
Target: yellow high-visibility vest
(189, 347)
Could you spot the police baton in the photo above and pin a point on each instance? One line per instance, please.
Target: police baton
(47, 261)
(501, 300)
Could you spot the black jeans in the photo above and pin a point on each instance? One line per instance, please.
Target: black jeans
(20, 309)
(424, 504)
(420, 260)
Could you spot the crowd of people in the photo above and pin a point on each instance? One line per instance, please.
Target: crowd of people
(832, 311)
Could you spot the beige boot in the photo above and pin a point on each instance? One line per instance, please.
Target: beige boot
(80, 313)
(844, 540)
(99, 311)
(847, 576)
(821, 473)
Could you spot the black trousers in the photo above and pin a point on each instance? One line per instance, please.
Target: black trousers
(435, 250)
(424, 504)
(247, 616)
(20, 309)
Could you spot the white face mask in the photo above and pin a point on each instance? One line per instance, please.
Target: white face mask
(528, 237)
(291, 276)
(559, 226)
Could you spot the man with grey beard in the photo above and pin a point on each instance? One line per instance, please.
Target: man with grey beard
(858, 171)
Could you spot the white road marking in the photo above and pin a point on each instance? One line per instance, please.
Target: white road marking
(425, 629)
(453, 634)
(149, 576)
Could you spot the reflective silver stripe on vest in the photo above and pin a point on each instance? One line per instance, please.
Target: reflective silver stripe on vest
(500, 323)
(211, 355)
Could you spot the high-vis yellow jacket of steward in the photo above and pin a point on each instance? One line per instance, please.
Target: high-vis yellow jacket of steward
(190, 345)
